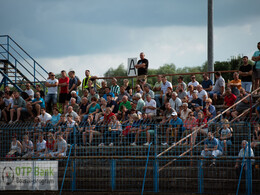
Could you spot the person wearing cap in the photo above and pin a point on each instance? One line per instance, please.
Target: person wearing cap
(147, 91)
(175, 102)
(52, 85)
(16, 147)
(175, 128)
(184, 113)
(193, 82)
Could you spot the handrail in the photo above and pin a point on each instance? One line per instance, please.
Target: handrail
(172, 74)
(21, 64)
(23, 51)
(66, 168)
(27, 62)
(146, 167)
(207, 123)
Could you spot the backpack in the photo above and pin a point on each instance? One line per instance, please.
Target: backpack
(78, 81)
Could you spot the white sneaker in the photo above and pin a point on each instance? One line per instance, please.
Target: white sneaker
(165, 144)
(111, 144)
(15, 121)
(133, 144)
(102, 144)
(146, 144)
(10, 122)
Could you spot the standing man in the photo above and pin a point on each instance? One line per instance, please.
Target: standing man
(256, 59)
(142, 69)
(85, 84)
(72, 84)
(63, 84)
(245, 72)
(52, 85)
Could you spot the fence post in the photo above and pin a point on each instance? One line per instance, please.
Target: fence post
(155, 164)
(248, 164)
(113, 173)
(200, 177)
(73, 185)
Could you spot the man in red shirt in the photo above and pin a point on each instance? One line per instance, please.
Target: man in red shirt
(229, 100)
(63, 84)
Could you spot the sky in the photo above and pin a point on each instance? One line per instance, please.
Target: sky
(102, 34)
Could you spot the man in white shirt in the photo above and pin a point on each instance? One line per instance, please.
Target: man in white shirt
(202, 94)
(45, 117)
(150, 106)
(175, 102)
(52, 85)
(164, 86)
(29, 91)
(40, 147)
(193, 82)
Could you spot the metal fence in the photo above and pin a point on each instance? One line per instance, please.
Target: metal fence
(124, 165)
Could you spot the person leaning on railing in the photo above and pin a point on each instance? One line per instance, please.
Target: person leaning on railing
(244, 152)
(243, 105)
(49, 149)
(16, 147)
(61, 146)
(147, 124)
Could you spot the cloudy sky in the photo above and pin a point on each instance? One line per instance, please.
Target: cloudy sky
(99, 34)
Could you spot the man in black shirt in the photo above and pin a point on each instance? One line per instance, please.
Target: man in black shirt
(245, 72)
(142, 69)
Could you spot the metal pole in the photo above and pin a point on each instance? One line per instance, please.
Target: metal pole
(210, 39)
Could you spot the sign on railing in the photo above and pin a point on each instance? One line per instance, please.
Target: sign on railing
(29, 175)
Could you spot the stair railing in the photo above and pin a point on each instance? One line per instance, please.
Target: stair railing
(12, 47)
(180, 141)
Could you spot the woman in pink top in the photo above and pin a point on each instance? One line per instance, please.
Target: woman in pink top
(189, 125)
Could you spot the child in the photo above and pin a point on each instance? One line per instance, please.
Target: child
(225, 135)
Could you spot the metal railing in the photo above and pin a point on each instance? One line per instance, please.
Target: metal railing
(23, 64)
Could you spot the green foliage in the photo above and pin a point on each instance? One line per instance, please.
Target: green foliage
(119, 71)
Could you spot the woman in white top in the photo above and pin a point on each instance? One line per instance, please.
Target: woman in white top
(16, 147)
(27, 147)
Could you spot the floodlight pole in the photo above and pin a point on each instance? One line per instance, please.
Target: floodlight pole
(210, 39)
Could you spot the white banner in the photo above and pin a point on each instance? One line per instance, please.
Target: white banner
(29, 175)
(131, 70)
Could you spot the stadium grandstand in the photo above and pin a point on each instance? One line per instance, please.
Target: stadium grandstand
(71, 134)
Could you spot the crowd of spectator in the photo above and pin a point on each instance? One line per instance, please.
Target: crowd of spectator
(121, 111)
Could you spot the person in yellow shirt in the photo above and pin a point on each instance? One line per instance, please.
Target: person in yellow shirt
(85, 84)
(235, 84)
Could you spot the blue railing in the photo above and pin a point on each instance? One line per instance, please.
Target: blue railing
(23, 63)
(122, 167)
